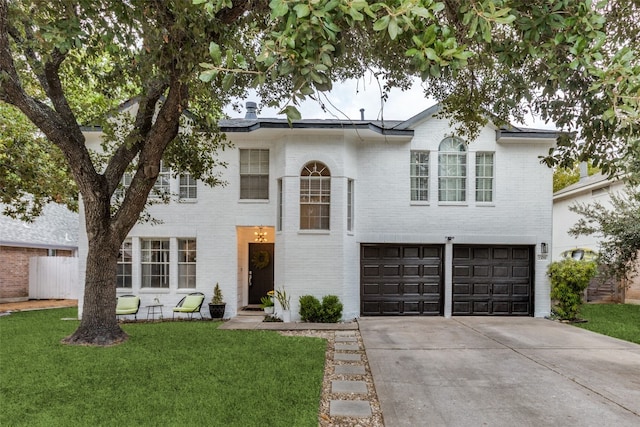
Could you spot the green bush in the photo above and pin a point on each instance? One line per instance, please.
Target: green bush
(331, 309)
(569, 279)
(311, 310)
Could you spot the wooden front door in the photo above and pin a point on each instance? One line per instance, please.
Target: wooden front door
(260, 271)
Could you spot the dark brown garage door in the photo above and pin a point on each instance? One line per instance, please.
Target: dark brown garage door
(493, 280)
(401, 279)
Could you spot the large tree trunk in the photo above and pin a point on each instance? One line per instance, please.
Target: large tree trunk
(99, 325)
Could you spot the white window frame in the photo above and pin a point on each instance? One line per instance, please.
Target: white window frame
(485, 176)
(315, 197)
(452, 170)
(350, 204)
(254, 167)
(162, 186)
(152, 258)
(125, 259)
(187, 255)
(187, 186)
(419, 175)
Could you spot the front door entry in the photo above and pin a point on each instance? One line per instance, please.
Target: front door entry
(260, 271)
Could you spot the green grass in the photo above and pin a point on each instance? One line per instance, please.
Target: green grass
(615, 320)
(169, 374)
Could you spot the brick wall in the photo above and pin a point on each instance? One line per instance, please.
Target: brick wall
(14, 270)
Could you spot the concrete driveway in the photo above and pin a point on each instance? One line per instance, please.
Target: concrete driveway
(500, 371)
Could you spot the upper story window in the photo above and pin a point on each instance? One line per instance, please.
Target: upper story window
(484, 177)
(162, 187)
(350, 205)
(188, 186)
(452, 170)
(419, 174)
(254, 174)
(125, 260)
(315, 196)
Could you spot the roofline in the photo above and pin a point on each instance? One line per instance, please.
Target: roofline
(503, 135)
(425, 114)
(576, 188)
(38, 245)
(346, 125)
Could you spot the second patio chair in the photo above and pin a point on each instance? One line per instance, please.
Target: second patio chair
(190, 304)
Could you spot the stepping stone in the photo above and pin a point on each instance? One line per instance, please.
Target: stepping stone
(346, 339)
(349, 370)
(347, 347)
(345, 333)
(347, 357)
(359, 387)
(349, 408)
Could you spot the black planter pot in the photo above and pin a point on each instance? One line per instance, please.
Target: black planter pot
(216, 310)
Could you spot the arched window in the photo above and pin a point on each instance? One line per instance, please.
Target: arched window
(315, 196)
(452, 170)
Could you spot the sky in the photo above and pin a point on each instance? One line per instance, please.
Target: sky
(349, 97)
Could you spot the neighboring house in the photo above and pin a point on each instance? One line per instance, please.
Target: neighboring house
(395, 218)
(54, 233)
(588, 190)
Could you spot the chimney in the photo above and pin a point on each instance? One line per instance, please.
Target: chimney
(362, 114)
(252, 109)
(584, 171)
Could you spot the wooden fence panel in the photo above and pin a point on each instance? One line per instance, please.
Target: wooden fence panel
(53, 278)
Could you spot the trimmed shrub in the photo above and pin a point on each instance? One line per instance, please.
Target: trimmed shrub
(331, 309)
(569, 278)
(310, 309)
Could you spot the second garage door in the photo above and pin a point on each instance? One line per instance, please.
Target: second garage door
(492, 280)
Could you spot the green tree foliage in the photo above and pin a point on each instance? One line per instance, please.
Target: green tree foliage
(564, 177)
(70, 64)
(569, 278)
(617, 227)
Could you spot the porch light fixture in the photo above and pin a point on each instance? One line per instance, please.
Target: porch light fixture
(544, 248)
(261, 236)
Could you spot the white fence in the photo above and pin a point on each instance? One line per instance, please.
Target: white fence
(53, 278)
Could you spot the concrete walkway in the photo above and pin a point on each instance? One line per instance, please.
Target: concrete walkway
(500, 371)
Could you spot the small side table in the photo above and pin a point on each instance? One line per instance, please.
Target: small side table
(153, 309)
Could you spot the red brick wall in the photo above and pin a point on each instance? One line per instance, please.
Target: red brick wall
(14, 270)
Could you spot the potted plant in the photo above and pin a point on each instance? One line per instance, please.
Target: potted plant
(267, 304)
(285, 304)
(217, 304)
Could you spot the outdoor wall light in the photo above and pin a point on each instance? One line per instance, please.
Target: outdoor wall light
(544, 248)
(450, 238)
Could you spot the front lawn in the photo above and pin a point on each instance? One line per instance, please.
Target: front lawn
(615, 320)
(166, 374)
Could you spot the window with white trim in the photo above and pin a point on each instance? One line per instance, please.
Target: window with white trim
(162, 186)
(125, 261)
(188, 186)
(484, 177)
(154, 263)
(186, 263)
(315, 196)
(452, 170)
(254, 174)
(125, 182)
(419, 173)
(280, 202)
(350, 201)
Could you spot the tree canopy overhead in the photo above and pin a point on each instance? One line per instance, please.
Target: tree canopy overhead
(65, 65)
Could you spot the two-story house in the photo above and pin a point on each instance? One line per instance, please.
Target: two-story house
(394, 217)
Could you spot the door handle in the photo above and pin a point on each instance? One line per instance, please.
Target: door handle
(250, 278)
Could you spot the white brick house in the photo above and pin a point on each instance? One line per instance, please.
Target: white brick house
(393, 218)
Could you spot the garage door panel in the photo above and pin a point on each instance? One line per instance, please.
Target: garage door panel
(408, 278)
(492, 280)
(481, 288)
(391, 289)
